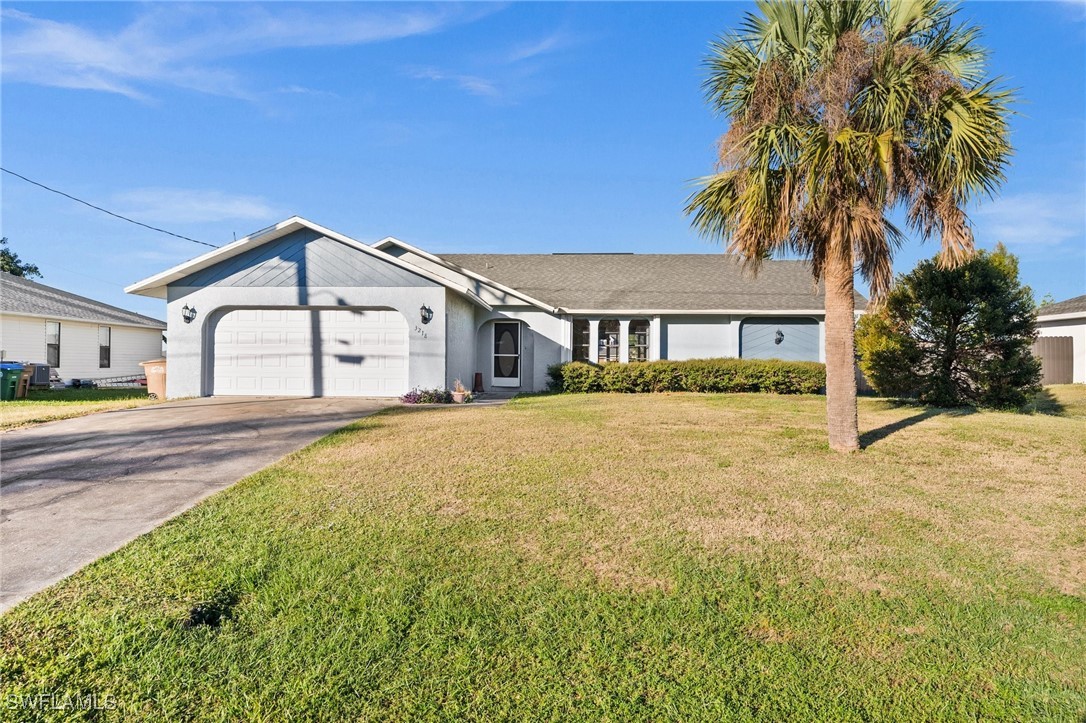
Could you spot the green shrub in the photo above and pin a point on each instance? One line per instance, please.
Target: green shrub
(695, 375)
(954, 337)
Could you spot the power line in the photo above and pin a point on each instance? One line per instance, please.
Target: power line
(113, 284)
(115, 215)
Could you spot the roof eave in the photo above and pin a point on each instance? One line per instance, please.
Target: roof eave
(1066, 316)
(694, 312)
(155, 286)
(392, 240)
(156, 326)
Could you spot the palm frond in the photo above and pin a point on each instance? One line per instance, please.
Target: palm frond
(840, 112)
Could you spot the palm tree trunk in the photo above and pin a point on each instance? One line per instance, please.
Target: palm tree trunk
(840, 355)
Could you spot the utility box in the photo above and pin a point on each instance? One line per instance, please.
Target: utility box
(155, 370)
(40, 378)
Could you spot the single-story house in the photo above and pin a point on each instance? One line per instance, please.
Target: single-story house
(1061, 341)
(78, 337)
(299, 309)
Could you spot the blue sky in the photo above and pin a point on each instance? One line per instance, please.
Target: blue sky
(473, 128)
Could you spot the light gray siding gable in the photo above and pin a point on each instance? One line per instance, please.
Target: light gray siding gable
(304, 258)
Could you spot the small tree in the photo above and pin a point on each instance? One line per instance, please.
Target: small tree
(11, 263)
(954, 336)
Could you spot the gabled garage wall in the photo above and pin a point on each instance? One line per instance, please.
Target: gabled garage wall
(333, 275)
(304, 256)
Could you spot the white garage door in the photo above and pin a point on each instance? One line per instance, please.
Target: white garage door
(272, 352)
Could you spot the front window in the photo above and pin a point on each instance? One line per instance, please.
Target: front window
(103, 347)
(582, 340)
(52, 343)
(608, 340)
(639, 340)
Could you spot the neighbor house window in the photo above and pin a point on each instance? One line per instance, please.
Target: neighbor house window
(582, 340)
(103, 347)
(608, 340)
(639, 340)
(52, 343)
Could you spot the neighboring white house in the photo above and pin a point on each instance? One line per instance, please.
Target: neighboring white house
(79, 337)
(299, 309)
(1066, 319)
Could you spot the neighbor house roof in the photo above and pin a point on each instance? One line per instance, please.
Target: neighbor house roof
(28, 298)
(1074, 307)
(653, 282)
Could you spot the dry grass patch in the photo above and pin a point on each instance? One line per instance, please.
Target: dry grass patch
(939, 495)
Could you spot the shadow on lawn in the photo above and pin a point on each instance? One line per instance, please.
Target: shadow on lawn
(880, 433)
(1046, 403)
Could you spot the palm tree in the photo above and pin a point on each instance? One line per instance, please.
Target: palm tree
(841, 113)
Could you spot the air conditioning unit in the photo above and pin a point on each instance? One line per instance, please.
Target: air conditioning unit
(40, 377)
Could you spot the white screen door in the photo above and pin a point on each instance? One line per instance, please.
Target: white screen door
(507, 354)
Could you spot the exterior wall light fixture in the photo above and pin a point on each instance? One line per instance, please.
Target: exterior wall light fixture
(426, 314)
(188, 313)
(779, 338)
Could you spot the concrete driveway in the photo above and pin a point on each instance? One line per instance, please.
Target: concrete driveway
(74, 490)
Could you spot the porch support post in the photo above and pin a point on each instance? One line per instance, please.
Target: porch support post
(594, 341)
(624, 340)
(567, 338)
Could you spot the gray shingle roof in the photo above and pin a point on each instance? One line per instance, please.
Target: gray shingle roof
(1064, 307)
(20, 296)
(694, 282)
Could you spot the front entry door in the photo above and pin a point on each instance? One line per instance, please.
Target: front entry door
(507, 354)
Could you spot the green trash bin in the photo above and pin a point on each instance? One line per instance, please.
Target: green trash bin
(9, 380)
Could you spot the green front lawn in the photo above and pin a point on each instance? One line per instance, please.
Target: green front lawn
(48, 405)
(601, 557)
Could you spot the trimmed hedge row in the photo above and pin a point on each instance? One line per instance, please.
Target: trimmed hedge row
(695, 375)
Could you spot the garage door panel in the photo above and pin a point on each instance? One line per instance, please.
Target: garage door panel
(269, 351)
(271, 385)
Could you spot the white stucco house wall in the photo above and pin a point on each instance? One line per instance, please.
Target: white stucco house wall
(79, 337)
(1066, 319)
(299, 309)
